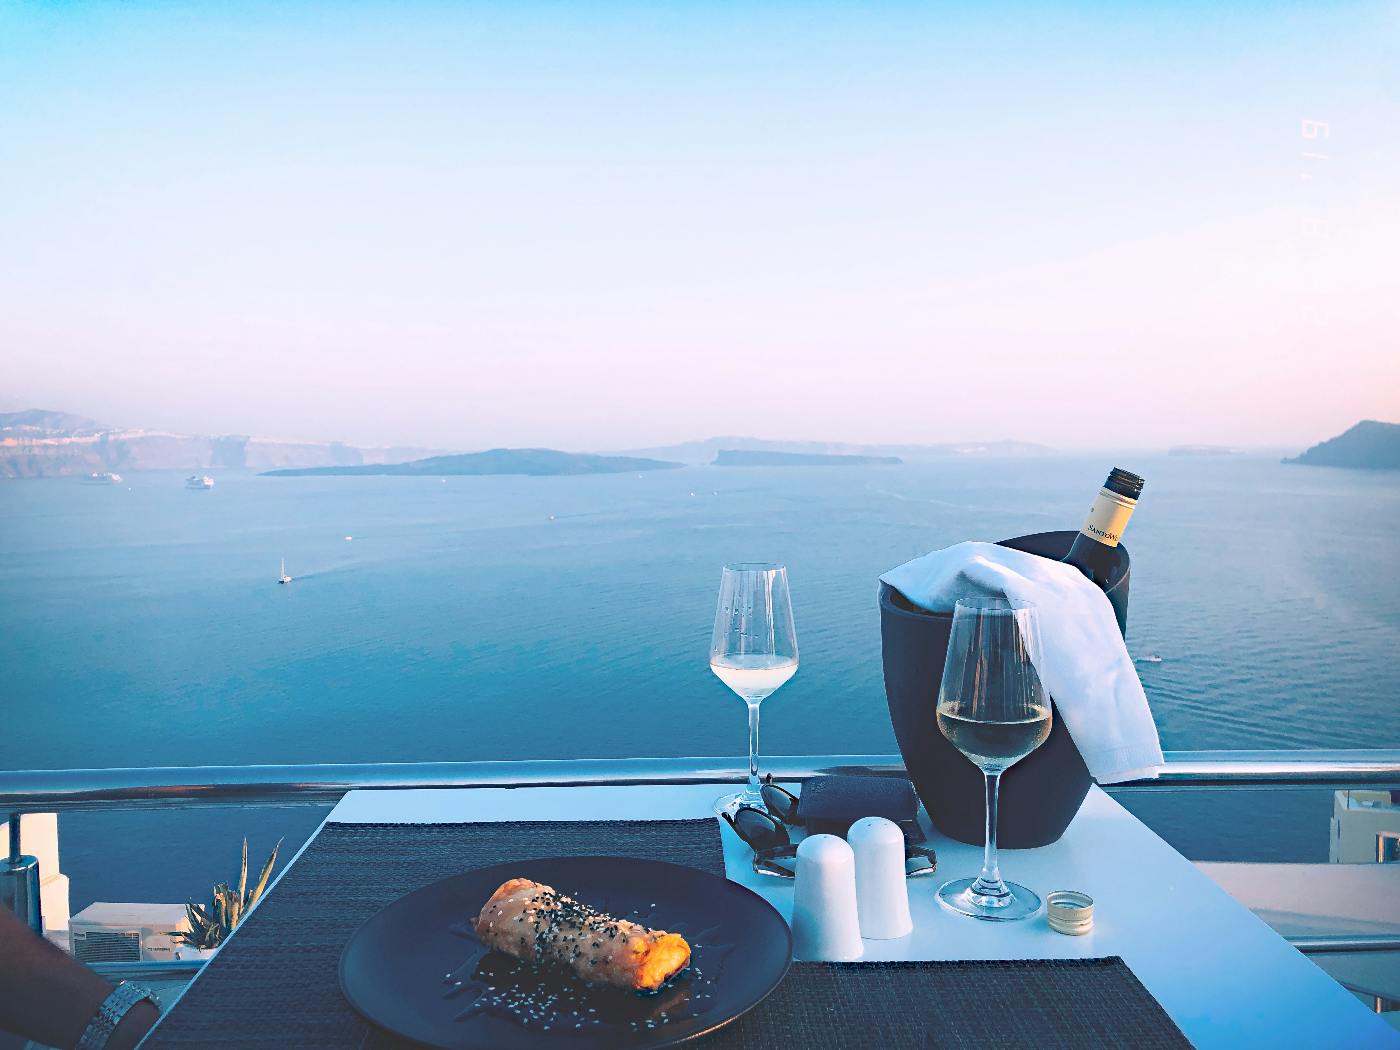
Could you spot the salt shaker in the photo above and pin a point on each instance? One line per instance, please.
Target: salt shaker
(825, 924)
(882, 895)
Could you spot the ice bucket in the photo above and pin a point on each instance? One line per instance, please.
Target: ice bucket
(1040, 794)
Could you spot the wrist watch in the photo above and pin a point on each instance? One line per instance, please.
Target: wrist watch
(124, 996)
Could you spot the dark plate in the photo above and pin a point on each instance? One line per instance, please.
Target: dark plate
(394, 970)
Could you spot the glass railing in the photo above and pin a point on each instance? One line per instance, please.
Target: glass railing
(1294, 835)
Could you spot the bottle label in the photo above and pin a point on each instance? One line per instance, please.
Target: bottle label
(1108, 517)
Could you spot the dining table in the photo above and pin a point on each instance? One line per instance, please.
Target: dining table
(1222, 976)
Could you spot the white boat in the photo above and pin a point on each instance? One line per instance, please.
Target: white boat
(283, 577)
(1149, 658)
(103, 478)
(199, 482)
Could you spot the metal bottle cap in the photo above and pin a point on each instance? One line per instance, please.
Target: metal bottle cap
(1069, 912)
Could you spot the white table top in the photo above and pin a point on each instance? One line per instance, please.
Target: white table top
(1224, 976)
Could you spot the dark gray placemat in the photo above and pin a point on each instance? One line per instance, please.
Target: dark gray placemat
(1035, 1004)
(276, 985)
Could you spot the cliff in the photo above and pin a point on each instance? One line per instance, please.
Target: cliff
(1369, 444)
(38, 443)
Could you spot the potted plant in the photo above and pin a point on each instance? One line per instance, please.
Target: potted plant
(211, 924)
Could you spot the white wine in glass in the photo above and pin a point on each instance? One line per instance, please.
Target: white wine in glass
(753, 651)
(993, 708)
(989, 744)
(754, 678)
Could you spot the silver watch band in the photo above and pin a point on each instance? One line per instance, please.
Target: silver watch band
(124, 996)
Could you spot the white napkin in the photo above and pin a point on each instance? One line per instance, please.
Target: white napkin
(1084, 663)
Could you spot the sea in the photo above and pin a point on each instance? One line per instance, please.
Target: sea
(562, 617)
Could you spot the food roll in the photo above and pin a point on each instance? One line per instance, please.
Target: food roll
(537, 924)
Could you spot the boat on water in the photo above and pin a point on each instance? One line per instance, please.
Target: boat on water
(282, 573)
(1149, 658)
(200, 482)
(103, 478)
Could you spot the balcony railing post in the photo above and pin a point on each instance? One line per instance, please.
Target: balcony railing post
(19, 882)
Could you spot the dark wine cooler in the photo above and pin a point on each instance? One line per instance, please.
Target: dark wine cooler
(1040, 794)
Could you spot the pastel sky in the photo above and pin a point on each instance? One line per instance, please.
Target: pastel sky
(603, 225)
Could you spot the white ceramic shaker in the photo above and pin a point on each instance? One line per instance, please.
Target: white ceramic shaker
(825, 923)
(882, 895)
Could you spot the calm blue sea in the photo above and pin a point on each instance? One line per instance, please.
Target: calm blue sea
(501, 618)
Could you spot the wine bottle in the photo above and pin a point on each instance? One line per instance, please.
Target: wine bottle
(1092, 552)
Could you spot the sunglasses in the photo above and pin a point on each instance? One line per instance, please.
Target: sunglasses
(765, 831)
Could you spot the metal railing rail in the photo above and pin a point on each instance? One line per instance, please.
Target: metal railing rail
(67, 790)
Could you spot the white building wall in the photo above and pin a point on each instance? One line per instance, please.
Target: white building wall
(1357, 818)
(38, 836)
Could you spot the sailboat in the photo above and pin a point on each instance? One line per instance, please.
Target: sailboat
(284, 578)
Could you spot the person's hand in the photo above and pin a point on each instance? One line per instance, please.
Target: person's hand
(49, 997)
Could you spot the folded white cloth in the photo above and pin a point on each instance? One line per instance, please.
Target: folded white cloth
(1083, 664)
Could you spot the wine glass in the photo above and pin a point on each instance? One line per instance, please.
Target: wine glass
(994, 709)
(753, 651)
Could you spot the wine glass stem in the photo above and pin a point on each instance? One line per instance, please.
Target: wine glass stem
(989, 882)
(753, 794)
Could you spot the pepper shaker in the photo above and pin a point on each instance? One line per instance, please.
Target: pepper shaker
(882, 895)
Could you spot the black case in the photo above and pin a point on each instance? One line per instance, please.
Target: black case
(831, 804)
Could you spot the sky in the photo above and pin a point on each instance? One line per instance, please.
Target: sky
(612, 225)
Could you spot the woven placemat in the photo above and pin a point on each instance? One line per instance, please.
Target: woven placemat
(276, 985)
(1035, 1004)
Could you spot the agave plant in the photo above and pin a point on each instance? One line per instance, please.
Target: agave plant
(210, 924)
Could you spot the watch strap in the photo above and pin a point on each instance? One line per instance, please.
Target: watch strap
(124, 996)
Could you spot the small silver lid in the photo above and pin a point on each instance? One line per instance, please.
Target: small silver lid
(1069, 912)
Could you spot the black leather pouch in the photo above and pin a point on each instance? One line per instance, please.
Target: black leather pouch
(831, 804)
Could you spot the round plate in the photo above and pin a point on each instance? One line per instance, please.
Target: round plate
(417, 969)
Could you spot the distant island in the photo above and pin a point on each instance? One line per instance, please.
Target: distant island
(40, 443)
(1370, 444)
(698, 453)
(732, 457)
(1202, 450)
(533, 462)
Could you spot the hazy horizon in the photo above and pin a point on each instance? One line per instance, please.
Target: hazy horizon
(619, 225)
(699, 439)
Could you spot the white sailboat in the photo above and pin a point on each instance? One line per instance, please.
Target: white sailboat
(283, 577)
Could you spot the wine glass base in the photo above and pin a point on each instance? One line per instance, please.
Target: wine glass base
(1019, 902)
(730, 803)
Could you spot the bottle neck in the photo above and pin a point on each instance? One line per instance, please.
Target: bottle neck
(1108, 517)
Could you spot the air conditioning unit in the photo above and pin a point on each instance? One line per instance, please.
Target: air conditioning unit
(105, 932)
